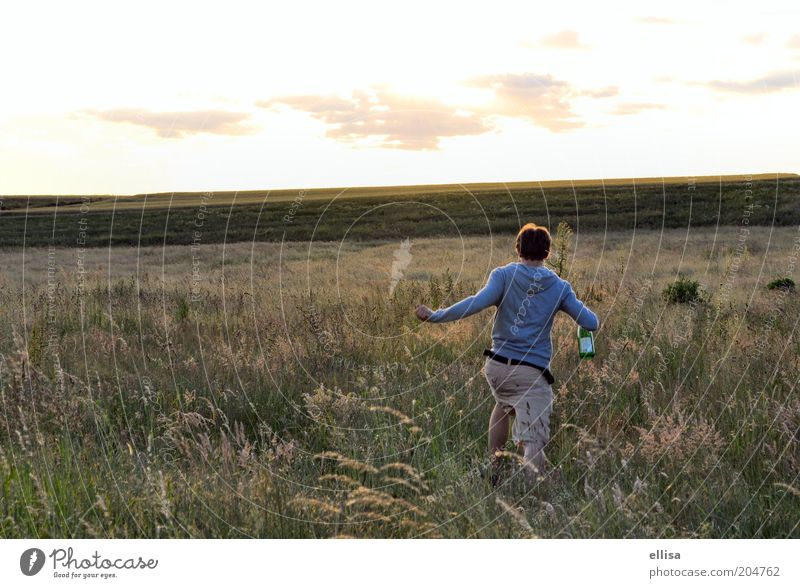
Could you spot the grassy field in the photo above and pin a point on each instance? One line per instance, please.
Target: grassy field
(69, 203)
(397, 212)
(279, 390)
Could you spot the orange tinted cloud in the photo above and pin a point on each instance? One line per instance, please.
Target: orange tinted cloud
(755, 38)
(380, 117)
(774, 82)
(385, 118)
(541, 99)
(563, 40)
(608, 92)
(179, 124)
(657, 20)
(627, 109)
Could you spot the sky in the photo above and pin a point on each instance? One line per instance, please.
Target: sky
(125, 98)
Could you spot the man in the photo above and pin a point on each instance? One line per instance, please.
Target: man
(527, 296)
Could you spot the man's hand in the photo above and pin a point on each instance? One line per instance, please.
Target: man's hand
(423, 312)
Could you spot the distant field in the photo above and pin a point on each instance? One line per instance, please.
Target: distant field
(45, 203)
(397, 212)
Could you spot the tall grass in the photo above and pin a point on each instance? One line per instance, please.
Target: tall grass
(282, 391)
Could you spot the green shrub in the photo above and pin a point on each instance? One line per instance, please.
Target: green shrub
(682, 291)
(182, 313)
(36, 345)
(781, 284)
(560, 248)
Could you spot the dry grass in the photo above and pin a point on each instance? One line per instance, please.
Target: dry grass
(292, 396)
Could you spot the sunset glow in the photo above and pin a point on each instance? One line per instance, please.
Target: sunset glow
(188, 97)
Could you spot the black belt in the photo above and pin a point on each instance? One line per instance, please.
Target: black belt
(509, 361)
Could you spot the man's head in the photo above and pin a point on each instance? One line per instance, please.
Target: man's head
(533, 242)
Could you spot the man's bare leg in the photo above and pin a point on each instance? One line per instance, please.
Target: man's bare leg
(498, 429)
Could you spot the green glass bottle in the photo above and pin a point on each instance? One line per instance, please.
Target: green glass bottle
(585, 343)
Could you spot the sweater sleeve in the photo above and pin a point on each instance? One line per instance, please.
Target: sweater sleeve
(578, 310)
(489, 295)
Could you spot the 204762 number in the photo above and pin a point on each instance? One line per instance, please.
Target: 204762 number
(758, 571)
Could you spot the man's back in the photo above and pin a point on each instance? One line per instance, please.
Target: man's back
(532, 295)
(528, 298)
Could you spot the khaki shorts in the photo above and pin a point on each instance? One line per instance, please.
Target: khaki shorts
(523, 391)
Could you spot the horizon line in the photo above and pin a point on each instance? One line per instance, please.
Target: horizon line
(704, 179)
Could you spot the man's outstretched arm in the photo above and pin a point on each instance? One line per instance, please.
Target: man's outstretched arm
(489, 295)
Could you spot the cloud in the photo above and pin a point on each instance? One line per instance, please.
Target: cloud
(755, 38)
(774, 82)
(563, 40)
(657, 20)
(379, 117)
(608, 92)
(386, 119)
(627, 109)
(541, 99)
(179, 124)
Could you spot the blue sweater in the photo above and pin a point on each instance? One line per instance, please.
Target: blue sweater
(527, 299)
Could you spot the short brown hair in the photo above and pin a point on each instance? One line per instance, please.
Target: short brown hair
(533, 242)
